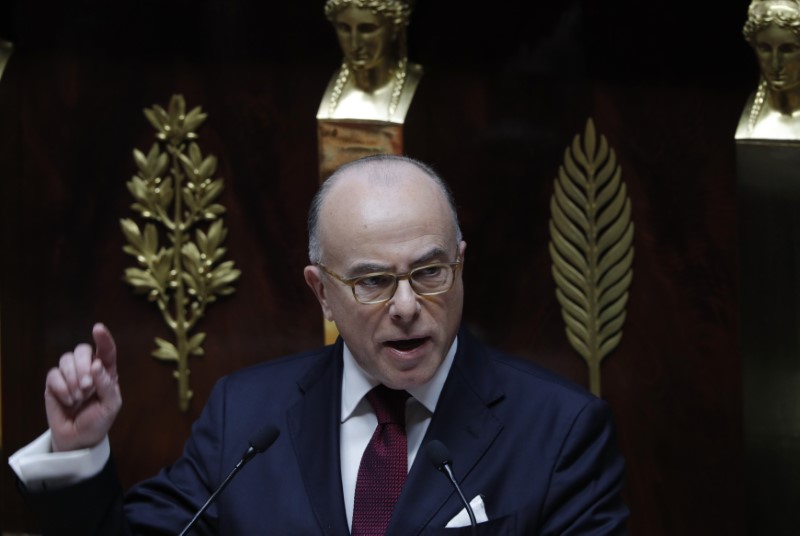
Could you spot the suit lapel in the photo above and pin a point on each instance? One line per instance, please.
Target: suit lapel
(314, 428)
(464, 422)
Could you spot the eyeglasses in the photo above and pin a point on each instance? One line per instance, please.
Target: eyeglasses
(379, 287)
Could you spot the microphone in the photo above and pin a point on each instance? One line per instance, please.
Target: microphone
(259, 442)
(440, 458)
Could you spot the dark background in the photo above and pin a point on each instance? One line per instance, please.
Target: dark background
(506, 87)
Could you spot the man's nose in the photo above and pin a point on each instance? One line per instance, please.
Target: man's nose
(405, 303)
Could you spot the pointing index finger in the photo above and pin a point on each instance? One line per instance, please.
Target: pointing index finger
(106, 349)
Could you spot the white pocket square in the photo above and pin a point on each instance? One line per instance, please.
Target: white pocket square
(462, 518)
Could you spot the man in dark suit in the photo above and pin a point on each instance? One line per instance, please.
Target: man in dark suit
(535, 454)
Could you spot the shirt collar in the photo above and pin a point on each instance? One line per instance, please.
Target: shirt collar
(356, 383)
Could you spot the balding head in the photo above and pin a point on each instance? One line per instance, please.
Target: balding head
(377, 173)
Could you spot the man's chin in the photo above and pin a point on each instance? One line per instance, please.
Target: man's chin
(404, 380)
(407, 371)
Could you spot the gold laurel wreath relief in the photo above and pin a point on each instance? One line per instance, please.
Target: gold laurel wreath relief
(175, 193)
(591, 248)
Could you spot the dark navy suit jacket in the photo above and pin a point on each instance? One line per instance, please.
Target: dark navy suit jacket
(540, 451)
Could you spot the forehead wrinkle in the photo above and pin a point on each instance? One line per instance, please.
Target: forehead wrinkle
(367, 267)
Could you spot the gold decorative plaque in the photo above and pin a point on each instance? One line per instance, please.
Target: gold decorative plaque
(343, 141)
(591, 247)
(175, 193)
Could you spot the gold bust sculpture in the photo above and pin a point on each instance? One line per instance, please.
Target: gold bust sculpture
(773, 111)
(375, 82)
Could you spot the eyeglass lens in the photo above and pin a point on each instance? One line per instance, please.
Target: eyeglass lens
(429, 279)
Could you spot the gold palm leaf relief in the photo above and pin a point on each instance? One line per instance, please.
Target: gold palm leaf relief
(591, 248)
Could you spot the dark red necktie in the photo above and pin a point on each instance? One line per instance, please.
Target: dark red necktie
(384, 465)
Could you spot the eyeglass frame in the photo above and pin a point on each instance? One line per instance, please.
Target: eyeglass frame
(351, 281)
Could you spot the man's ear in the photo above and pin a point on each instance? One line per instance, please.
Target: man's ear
(313, 277)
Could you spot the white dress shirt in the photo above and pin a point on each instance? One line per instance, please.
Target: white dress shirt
(358, 420)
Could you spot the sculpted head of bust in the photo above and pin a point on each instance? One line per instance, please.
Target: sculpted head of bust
(773, 31)
(371, 34)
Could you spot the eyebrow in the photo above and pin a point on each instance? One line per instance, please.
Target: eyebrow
(434, 254)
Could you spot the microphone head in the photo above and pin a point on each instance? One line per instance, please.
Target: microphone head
(438, 454)
(264, 438)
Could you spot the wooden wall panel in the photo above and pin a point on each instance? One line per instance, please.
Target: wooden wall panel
(504, 92)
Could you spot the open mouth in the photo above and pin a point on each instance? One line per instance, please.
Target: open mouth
(406, 345)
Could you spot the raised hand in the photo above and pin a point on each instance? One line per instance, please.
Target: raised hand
(82, 395)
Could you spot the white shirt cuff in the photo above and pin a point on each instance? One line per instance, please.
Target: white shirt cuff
(39, 468)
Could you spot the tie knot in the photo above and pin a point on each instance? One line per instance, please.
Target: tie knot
(389, 404)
